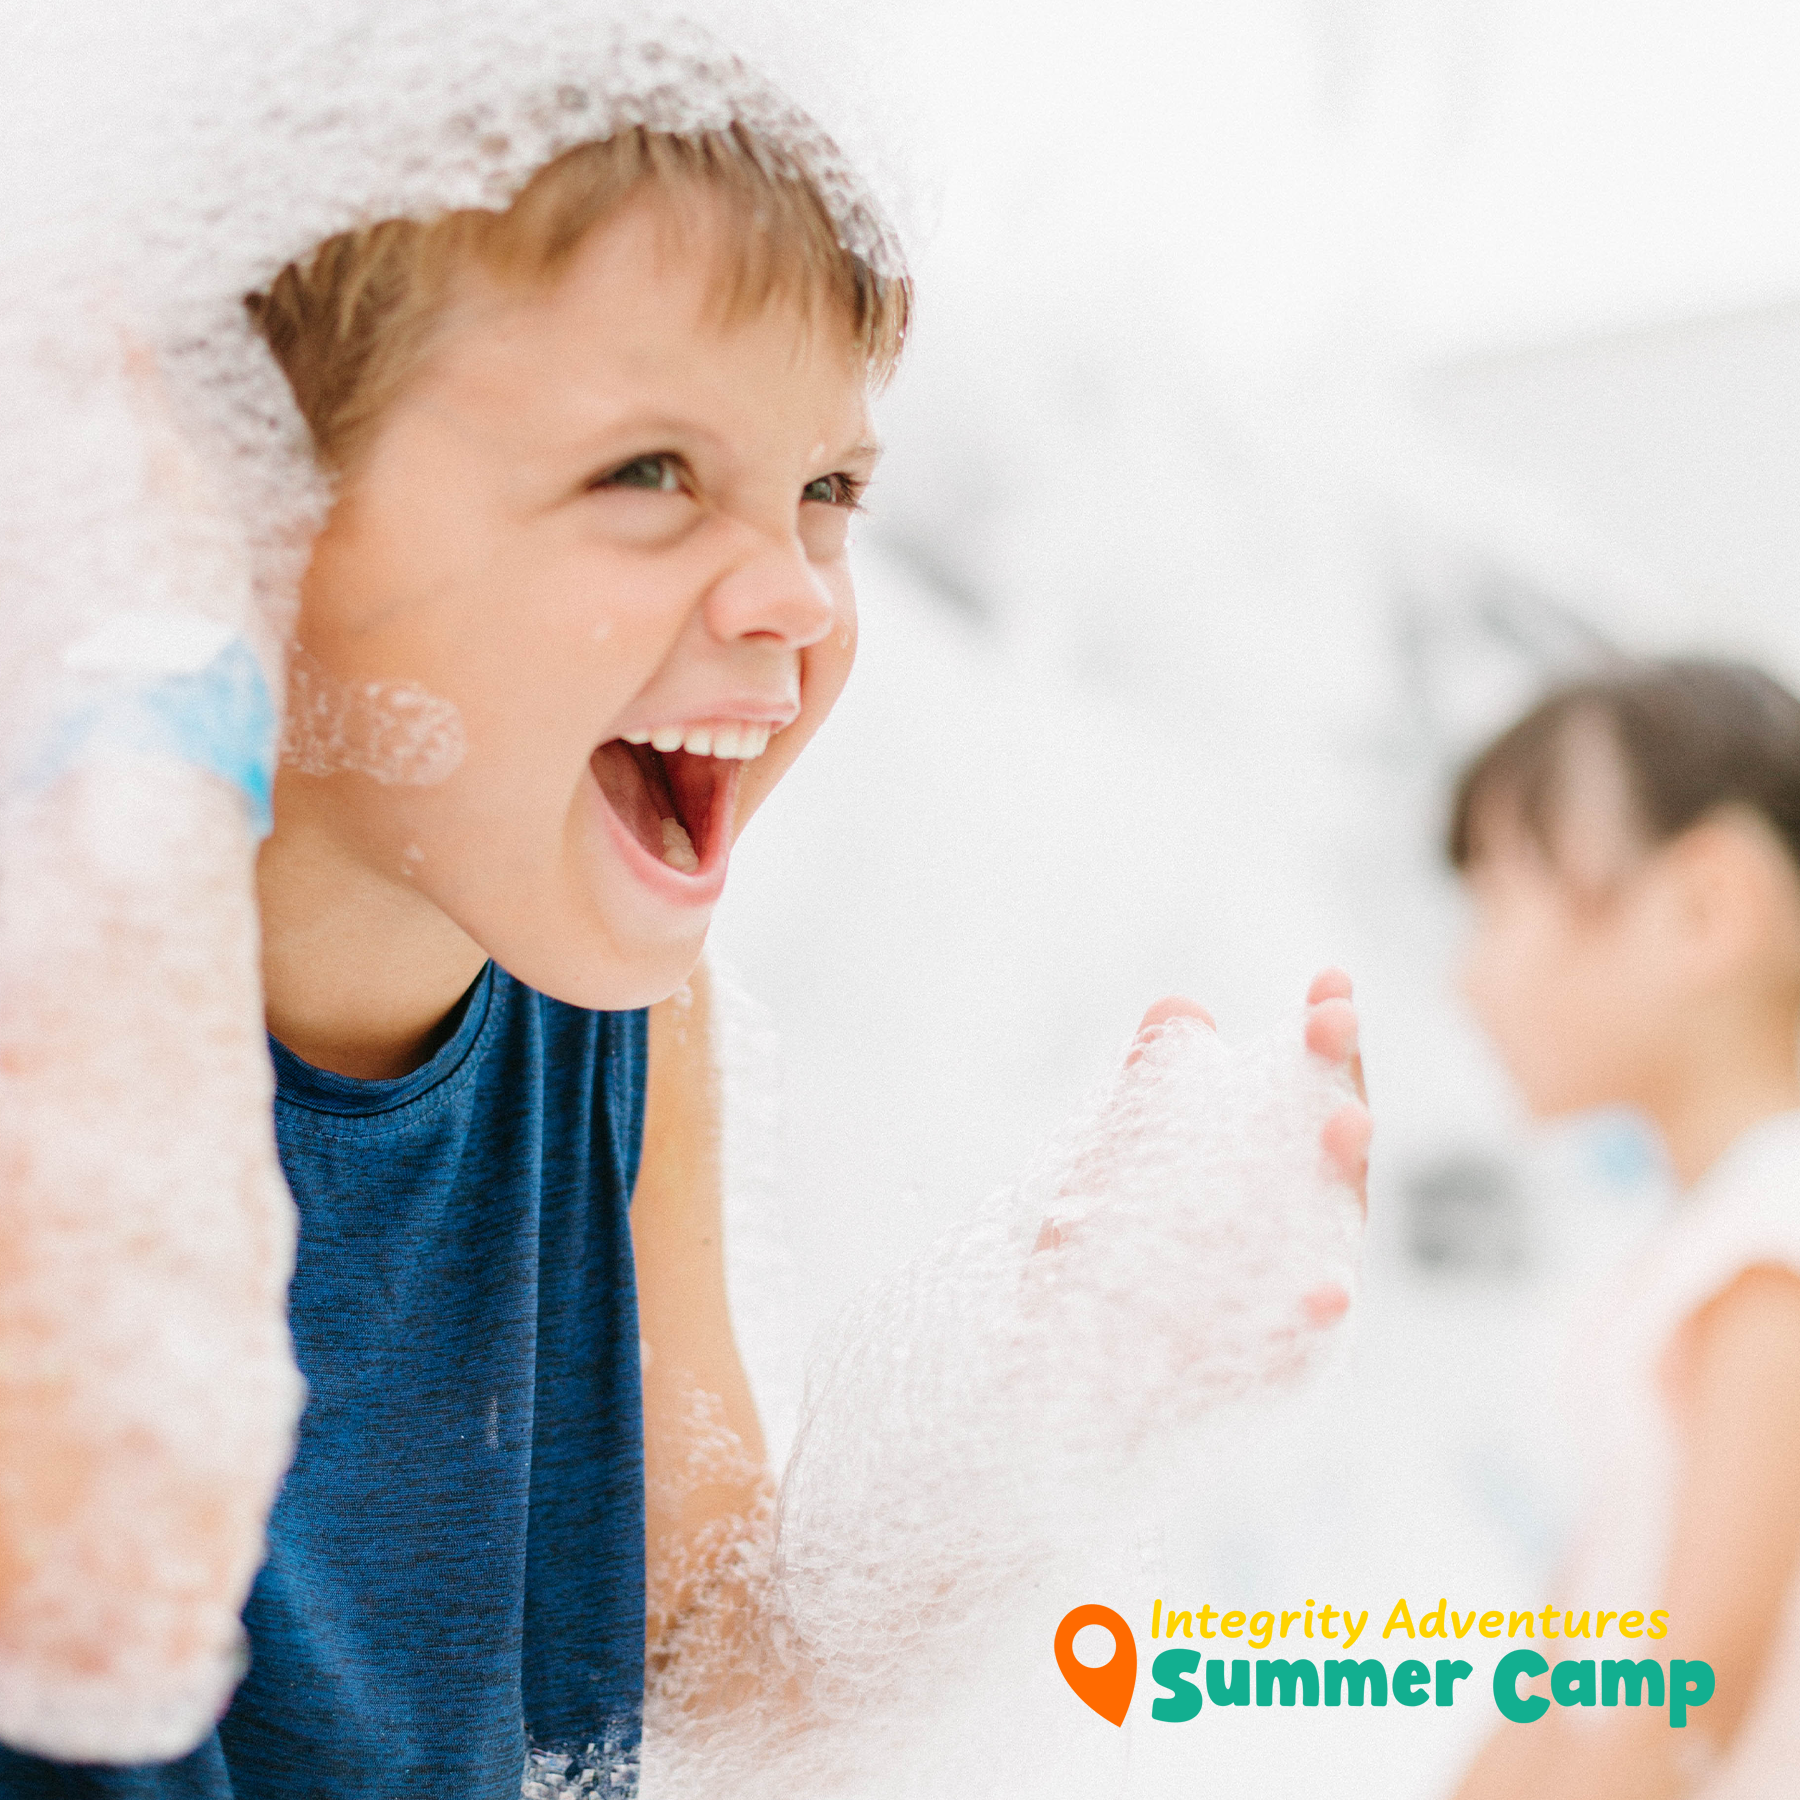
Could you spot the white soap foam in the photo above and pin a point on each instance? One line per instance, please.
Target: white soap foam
(151, 1395)
(398, 732)
(149, 643)
(995, 1404)
(150, 1237)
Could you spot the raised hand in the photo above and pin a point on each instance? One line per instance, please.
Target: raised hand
(1181, 1246)
(1331, 1032)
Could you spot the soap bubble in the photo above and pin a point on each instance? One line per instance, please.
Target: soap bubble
(149, 1395)
(996, 1403)
(395, 731)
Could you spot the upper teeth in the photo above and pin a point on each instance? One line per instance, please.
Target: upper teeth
(736, 739)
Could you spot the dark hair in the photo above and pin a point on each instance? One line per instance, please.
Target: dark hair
(1692, 734)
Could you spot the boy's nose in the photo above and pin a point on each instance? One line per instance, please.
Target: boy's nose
(775, 592)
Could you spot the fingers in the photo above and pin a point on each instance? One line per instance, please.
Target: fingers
(1174, 1006)
(1332, 1032)
(1345, 1140)
(1325, 1305)
(1171, 1006)
(1329, 984)
(1331, 1029)
(1294, 1346)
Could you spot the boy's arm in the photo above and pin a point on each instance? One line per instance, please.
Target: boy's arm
(705, 1473)
(147, 1388)
(147, 1395)
(747, 1613)
(1736, 1547)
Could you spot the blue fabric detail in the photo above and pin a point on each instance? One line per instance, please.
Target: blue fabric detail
(456, 1562)
(221, 718)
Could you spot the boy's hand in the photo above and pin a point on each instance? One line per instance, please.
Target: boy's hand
(1191, 1246)
(1331, 1032)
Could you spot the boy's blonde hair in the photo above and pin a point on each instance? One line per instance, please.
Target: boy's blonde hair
(351, 323)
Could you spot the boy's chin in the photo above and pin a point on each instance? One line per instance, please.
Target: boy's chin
(602, 979)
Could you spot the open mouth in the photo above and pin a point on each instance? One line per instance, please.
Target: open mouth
(675, 805)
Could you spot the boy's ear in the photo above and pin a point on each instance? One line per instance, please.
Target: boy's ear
(1737, 895)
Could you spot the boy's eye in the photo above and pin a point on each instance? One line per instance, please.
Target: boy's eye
(659, 474)
(832, 490)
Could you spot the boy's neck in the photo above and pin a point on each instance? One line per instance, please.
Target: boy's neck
(360, 975)
(1729, 1081)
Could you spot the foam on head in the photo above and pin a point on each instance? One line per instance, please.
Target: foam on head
(193, 164)
(351, 323)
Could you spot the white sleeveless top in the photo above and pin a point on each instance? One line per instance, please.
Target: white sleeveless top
(1743, 1213)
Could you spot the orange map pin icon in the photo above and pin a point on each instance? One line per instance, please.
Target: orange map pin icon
(1107, 1688)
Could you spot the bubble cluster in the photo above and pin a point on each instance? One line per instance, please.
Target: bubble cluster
(395, 731)
(973, 1417)
(147, 1391)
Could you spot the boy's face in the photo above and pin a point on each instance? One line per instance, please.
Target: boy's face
(602, 522)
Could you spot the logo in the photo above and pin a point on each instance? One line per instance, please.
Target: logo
(1107, 1687)
(1191, 1678)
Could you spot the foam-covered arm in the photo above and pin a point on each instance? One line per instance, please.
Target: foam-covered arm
(1156, 1263)
(147, 1388)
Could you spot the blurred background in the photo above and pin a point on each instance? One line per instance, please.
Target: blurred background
(1298, 386)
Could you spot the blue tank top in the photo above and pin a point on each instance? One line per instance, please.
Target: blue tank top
(455, 1575)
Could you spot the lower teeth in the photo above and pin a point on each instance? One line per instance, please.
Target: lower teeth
(678, 847)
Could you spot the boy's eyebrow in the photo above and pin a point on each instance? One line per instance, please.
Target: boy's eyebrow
(673, 426)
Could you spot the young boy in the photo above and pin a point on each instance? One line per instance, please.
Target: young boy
(596, 461)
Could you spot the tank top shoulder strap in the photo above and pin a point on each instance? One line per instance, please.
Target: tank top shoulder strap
(1744, 1214)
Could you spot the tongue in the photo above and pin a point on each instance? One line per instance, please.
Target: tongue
(678, 848)
(636, 788)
